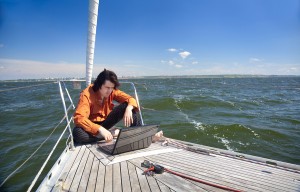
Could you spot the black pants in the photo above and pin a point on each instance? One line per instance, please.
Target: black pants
(81, 136)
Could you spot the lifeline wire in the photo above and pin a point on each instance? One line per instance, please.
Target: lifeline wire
(3, 90)
(46, 161)
(10, 175)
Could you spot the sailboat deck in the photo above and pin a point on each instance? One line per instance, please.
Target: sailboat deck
(89, 169)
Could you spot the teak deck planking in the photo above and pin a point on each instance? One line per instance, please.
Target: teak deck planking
(89, 169)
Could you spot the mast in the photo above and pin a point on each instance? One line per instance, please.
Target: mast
(92, 26)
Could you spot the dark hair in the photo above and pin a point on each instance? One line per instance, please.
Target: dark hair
(103, 76)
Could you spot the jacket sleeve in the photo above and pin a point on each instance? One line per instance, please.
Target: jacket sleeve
(122, 97)
(82, 113)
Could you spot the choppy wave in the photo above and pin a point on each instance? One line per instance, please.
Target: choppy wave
(178, 99)
(257, 116)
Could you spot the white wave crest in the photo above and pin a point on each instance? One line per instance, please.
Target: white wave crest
(226, 143)
(178, 99)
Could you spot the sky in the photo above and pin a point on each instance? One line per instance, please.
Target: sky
(48, 38)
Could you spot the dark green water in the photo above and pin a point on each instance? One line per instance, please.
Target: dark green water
(257, 116)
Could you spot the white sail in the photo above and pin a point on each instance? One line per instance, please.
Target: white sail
(92, 26)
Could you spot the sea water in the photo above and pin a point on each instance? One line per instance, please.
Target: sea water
(254, 115)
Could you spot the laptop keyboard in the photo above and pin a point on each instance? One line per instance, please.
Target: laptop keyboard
(108, 147)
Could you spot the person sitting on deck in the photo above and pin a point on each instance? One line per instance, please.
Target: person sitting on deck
(96, 115)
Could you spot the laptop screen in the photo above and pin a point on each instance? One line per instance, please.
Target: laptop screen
(134, 138)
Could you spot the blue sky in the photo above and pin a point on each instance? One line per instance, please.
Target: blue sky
(40, 39)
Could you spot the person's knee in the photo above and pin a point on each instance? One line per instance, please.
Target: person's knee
(81, 136)
(122, 106)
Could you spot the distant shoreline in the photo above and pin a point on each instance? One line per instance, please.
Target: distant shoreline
(205, 76)
(157, 77)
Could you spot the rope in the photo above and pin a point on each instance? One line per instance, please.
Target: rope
(10, 175)
(200, 181)
(4, 90)
(188, 177)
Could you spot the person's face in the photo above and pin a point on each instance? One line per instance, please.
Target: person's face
(106, 88)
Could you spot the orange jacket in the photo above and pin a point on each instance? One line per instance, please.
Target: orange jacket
(90, 110)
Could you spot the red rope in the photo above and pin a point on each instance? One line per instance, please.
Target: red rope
(200, 181)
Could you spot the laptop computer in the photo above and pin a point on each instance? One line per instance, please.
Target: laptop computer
(130, 139)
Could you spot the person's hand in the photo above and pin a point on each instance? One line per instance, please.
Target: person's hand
(114, 131)
(128, 120)
(105, 134)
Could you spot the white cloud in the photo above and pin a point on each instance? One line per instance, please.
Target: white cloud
(132, 65)
(178, 66)
(172, 50)
(11, 69)
(29, 69)
(184, 54)
(195, 62)
(171, 62)
(287, 70)
(255, 60)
